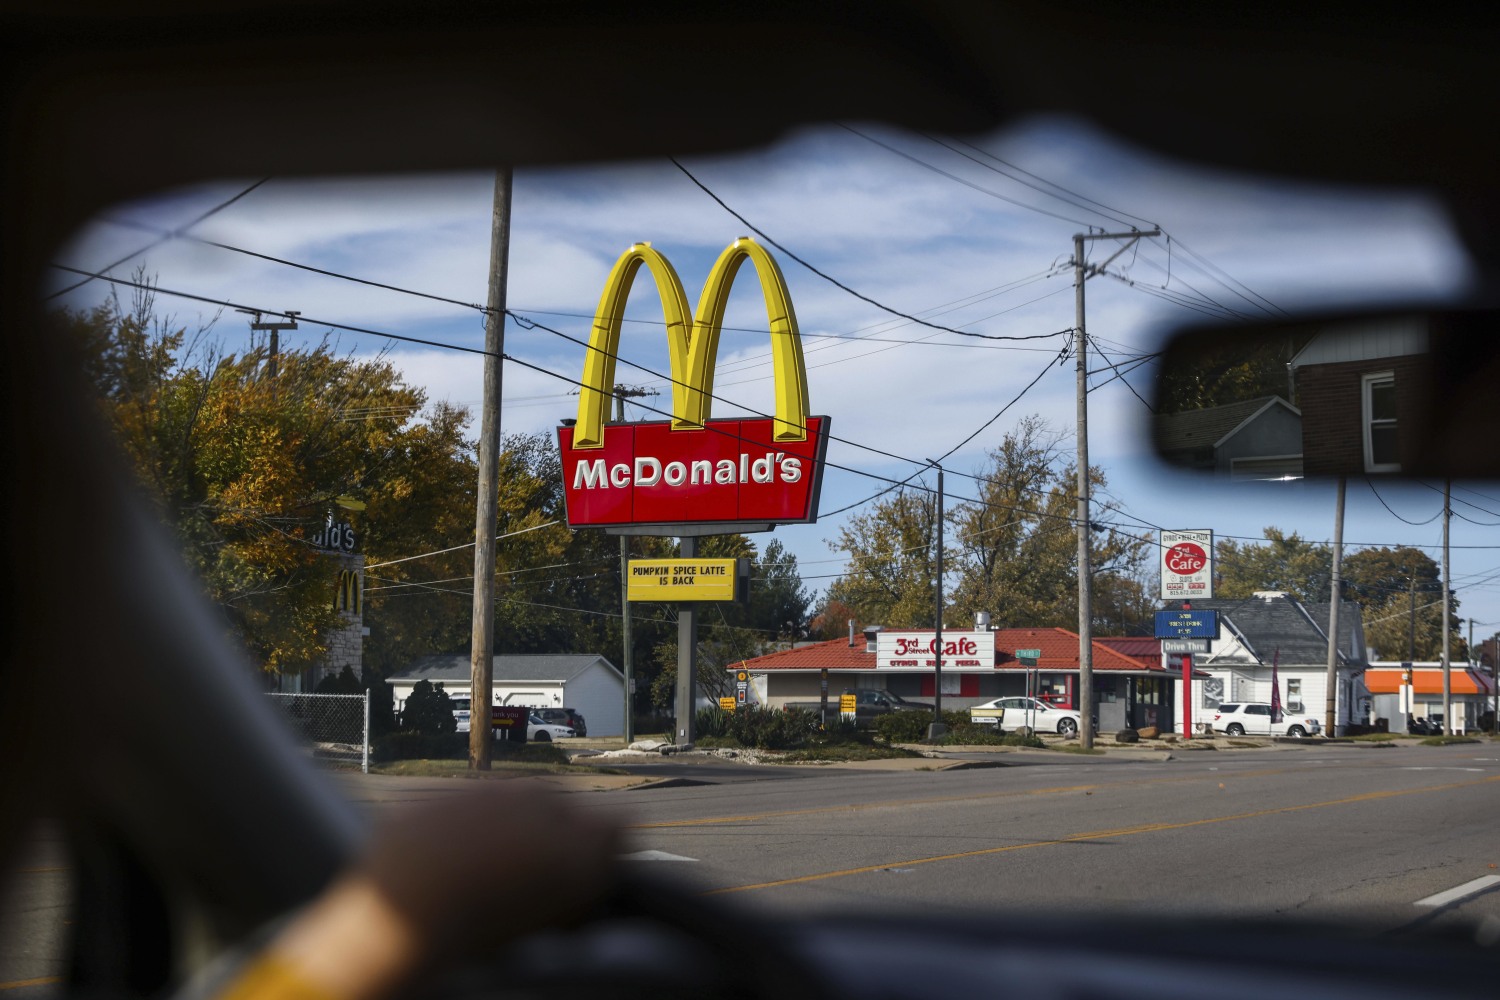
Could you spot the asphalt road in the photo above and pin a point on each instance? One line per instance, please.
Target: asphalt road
(1346, 832)
(1381, 837)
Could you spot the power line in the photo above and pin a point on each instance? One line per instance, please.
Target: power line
(839, 284)
(966, 183)
(1393, 513)
(156, 243)
(1120, 374)
(1074, 194)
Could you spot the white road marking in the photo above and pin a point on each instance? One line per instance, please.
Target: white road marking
(1459, 892)
(1476, 769)
(654, 856)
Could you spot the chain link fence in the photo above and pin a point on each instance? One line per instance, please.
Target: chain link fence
(334, 727)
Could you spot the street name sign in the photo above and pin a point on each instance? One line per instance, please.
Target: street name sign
(1187, 624)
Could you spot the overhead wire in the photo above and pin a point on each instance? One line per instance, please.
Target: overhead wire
(156, 243)
(839, 284)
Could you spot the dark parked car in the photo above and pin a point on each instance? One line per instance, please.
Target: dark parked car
(563, 717)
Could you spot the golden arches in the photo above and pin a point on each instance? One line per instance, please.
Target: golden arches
(694, 352)
(347, 595)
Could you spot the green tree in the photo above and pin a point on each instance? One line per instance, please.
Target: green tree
(1285, 562)
(1400, 593)
(1016, 549)
(772, 615)
(1215, 371)
(246, 466)
(889, 577)
(1013, 552)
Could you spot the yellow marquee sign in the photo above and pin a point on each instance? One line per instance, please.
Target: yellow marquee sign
(681, 580)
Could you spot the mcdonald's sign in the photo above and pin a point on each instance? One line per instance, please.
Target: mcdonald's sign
(693, 474)
(346, 594)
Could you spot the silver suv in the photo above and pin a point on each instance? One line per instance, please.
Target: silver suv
(1253, 718)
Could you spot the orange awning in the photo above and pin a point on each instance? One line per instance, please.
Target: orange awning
(1429, 680)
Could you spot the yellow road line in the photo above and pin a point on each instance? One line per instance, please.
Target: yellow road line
(22, 983)
(1215, 777)
(1129, 831)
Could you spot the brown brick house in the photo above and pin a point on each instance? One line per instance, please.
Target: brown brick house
(1362, 392)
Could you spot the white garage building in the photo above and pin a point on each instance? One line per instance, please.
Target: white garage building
(583, 681)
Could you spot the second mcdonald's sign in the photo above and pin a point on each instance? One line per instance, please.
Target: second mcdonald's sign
(692, 470)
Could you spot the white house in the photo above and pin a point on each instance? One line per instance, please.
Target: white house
(1273, 629)
(583, 681)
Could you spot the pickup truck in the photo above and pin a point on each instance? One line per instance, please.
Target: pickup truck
(869, 703)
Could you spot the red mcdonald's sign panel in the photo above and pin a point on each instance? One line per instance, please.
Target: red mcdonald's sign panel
(693, 474)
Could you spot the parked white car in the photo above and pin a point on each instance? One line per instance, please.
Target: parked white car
(539, 730)
(1013, 713)
(461, 713)
(1253, 718)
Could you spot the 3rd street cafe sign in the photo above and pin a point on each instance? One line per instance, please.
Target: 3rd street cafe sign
(1187, 564)
(917, 650)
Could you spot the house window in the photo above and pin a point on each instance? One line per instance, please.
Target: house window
(1293, 694)
(1378, 398)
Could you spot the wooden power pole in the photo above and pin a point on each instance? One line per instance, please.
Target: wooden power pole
(482, 641)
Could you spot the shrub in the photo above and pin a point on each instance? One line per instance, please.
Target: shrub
(710, 722)
(768, 729)
(344, 682)
(903, 727)
(407, 745)
(428, 711)
(973, 735)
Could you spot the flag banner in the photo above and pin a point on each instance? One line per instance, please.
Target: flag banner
(1275, 686)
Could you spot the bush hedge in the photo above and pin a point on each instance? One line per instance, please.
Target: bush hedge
(407, 745)
(763, 729)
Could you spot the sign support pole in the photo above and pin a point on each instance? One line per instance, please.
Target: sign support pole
(687, 654)
(1187, 696)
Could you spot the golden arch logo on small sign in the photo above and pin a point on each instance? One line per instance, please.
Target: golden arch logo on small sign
(693, 474)
(346, 592)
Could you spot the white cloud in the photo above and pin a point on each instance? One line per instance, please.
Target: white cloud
(905, 235)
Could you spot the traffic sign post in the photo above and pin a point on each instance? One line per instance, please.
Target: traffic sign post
(1184, 630)
(1187, 696)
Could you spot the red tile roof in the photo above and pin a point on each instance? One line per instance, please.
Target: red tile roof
(835, 654)
(1059, 652)
(1144, 649)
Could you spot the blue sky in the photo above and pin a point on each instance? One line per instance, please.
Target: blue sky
(927, 226)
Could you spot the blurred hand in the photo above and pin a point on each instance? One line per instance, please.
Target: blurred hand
(492, 862)
(440, 880)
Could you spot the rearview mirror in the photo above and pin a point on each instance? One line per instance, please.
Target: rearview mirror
(1413, 393)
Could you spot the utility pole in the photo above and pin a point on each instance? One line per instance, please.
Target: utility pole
(1411, 628)
(627, 658)
(1447, 596)
(274, 348)
(1495, 679)
(937, 729)
(482, 641)
(1335, 598)
(1085, 569)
